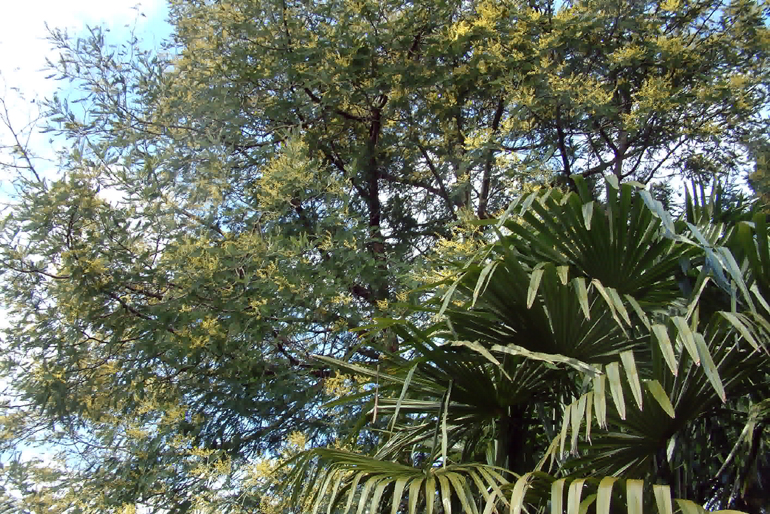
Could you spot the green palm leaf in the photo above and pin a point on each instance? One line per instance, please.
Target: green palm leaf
(579, 301)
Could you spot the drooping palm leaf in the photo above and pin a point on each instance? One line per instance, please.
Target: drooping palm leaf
(673, 405)
(341, 481)
(613, 312)
(353, 482)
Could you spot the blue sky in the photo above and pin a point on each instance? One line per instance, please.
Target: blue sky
(23, 52)
(24, 49)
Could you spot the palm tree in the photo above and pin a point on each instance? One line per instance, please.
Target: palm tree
(594, 356)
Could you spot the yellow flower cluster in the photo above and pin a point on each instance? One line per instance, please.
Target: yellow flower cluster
(338, 386)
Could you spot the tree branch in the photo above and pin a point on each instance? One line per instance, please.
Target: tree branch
(344, 114)
(437, 176)
(487, 177)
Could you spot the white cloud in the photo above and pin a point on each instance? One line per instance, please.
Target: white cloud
(23, 44)
(24, 49)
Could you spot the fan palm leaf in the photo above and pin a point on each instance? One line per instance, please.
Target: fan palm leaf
(607, 338)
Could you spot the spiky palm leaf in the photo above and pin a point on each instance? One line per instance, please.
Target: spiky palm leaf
(619, 243)
(611, 317)
(345, 482)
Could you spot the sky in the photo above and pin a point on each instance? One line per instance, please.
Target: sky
(24, 49)
(23, 53)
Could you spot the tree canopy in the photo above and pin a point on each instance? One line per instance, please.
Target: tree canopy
(280, 174)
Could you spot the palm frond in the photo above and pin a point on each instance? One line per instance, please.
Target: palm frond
(344, 480)
(615, 339)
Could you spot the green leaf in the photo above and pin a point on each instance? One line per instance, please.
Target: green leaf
(444, 432)
(586, 504)
(616, 388)
(689, 507)
(430, 493)
(600, 400)
(362, 500)
(448, 296)
(401, 397)
(742, 328)
(414, 494)
(483, 281)
(618, 303)
(667, 350)
(557, 496)
(635, 496)
(322, 492)
(512, 349)
(478, 348)
(710, 368)
(663, 498)
(490, 504)
(582, 295)
(576, 418)
(353, 488)
(519, 490)
(629, 364)
(658, 211)
(638, 310)
(480, 486)
(608, 299)
(446, 493)
(398, 493)
(494, 480)
(534, 283)
(377, 496)
(760, 298)
(589, 396)
(588, 212)
(735, 273)
(358, 369)
(565, 424)
(335, 491)
(460, 486)
(604, 495)
(573, 496)
(661, 397)
(687, 338)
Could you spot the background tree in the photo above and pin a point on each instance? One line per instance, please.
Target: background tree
(276, 176)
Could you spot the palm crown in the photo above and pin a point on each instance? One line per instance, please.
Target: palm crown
(594, 356)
